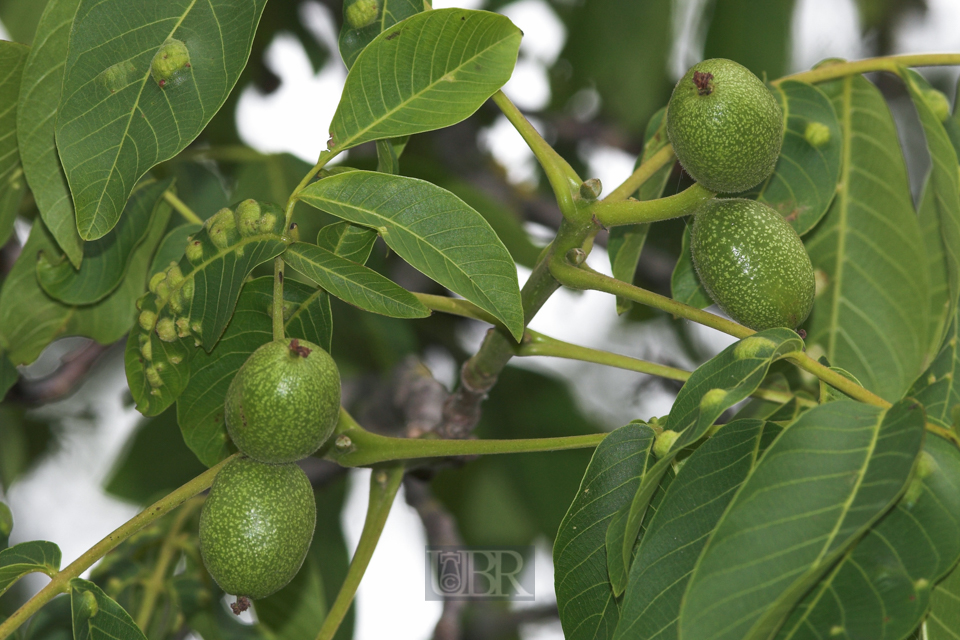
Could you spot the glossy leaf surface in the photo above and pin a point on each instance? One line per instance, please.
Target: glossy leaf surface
(13, 57)
(431, 71)
(433, 230)
(829, 477)
(97, 617)
(28, 557)
(353, 40)
(169, 68)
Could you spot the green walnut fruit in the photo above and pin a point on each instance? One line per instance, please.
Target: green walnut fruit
(752, 263)
(256, 526)
(725, 126)
(284, 401)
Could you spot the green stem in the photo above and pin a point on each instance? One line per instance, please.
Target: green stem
(887, 63)
(357, 447)
(154, 584)
(563, 179)
(384, 484)
(61, 582)
(182, 208)
(586, 278)
(457, 307)
(278, 298)
(325, 157)
(541, 345)
(642, 174)
(614, 213)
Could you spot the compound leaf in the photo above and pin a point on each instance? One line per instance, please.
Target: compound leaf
(871, 317)
(37, 122)
(354, 283)
(584, 595)
(830, 476)
(433, 230)
(427, 72)
(28, 557)
(126, 107)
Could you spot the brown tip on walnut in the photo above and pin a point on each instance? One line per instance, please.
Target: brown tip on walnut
(703, 82)
(241, 605)
(297, 349)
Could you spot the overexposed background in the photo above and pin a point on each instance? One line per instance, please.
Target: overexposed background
(62, 499)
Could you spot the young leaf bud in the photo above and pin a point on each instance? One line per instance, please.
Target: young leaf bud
(591, 189)
(294, 232)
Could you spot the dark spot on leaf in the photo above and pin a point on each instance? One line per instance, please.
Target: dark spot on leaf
(395, 34)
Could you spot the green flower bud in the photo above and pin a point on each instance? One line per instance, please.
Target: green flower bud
(591, 189)
(248, 217)
(294, 232)
(362, 13)
(167, 330)
(148, 320)
(816, 134)
(170, 63)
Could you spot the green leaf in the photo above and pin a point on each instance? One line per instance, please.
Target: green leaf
(20, 18)
(804, 181)
(728, 378)
(36, 126)
(6, 525)
(689, 512)
(944, 185)
(157, 381)
(881, 588)
(871, 317)
(8, 375)
(154, 462)
(115, 120)
(200, 407)
(584, 595)
(26, 439)
(354, 283)
(433, 230)
(108, 258)
(399, 86)
(352, 40)
(944, 619)
(938, 388)
(172, 247)
(940, 313)
(13, 56)
(626, 242)
(685, 285)
(97, 617)
(387, 160)
(347, 241)
(30, 319)
(28, 557)
(819, 487)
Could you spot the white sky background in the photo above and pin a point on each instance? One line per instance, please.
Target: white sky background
(61, 500)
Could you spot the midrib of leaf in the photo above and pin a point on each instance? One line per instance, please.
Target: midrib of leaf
(842, 224)
(346, 144)
(143, 83)
(385, 231)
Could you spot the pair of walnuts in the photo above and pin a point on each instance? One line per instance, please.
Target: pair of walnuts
(726, 129)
